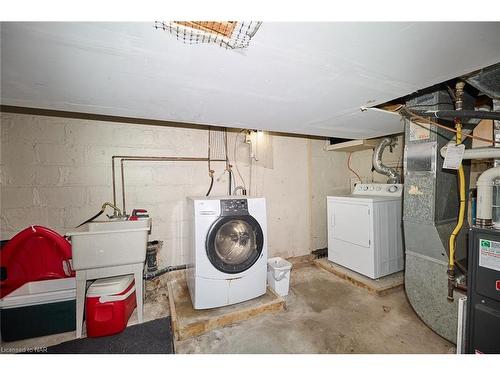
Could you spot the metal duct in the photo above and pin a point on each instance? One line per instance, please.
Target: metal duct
(430, 208)
(487, 81)
(377, 161)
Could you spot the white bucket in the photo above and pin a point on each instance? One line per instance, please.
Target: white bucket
(278, 275)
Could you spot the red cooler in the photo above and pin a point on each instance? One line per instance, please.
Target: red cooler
(109, 304)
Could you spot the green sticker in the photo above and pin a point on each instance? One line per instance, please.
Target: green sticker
(485, 243)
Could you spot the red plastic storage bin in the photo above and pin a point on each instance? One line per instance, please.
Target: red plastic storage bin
(36, 253)
(109, 304)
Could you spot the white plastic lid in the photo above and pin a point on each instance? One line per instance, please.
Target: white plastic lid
(40, 292)
(278, 263)
(110, 286)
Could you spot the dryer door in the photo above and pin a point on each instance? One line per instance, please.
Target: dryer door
(350, 222)
(234, 243)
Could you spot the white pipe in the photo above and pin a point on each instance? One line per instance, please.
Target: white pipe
(485, 184)
(478, 153)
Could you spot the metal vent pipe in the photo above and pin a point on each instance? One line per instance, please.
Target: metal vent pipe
(377, 161)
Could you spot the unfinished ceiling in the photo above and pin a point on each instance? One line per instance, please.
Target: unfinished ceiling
(306, 78)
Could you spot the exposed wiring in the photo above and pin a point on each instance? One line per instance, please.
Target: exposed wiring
(217, 144)
(210, 170)
(231, 179)
(235, 162)
(349, 167)
(250, 177)
(228, 165)
(234, 180)
(405, 112)
(211, 184)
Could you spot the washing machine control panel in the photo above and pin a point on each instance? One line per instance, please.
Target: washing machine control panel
(234, 207)
(378, 189)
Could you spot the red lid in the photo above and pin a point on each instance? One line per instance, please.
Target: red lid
(36, 253)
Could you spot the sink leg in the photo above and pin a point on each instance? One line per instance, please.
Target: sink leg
(139, 286)
(81, 283)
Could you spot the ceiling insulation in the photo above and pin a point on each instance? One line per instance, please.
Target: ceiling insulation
(306, 78)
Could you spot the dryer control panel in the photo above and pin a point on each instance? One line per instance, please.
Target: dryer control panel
(229, 207)
(386, 190)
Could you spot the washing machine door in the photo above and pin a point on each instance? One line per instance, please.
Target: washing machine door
(234, 243)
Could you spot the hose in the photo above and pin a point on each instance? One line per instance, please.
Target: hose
(152, 275)
(461, 213)
(101, 212)
(211, 184)
(152, 268)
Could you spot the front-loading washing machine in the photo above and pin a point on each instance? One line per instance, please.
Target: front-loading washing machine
(227, 250)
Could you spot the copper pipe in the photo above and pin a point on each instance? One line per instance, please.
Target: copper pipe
(146, 158)
(114, 187)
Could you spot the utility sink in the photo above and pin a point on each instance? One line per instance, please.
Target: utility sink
(115, 224)
(110, 243)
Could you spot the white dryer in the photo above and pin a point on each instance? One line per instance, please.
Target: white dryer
(227, 260)
(365, 229)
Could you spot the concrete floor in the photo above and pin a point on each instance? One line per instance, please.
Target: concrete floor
(326, 314)
(155, 307)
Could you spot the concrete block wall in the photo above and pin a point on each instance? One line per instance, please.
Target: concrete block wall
(56, 172)
(328, 176)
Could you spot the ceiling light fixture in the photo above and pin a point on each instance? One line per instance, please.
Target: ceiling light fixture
(228, 34)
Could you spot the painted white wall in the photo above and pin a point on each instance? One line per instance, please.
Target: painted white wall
(56, 172)
(328, 176)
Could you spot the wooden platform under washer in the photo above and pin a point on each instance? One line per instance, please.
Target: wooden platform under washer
(188, 322)
(381, 286)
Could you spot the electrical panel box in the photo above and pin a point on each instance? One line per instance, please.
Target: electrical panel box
(483, 295)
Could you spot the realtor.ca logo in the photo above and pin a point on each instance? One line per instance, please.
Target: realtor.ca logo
(485, 243)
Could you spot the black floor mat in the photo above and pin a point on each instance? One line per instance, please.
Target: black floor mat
(154, 337)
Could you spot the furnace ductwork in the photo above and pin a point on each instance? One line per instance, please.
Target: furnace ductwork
(377, 161)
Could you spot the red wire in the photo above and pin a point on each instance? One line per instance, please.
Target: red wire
(349, 167)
